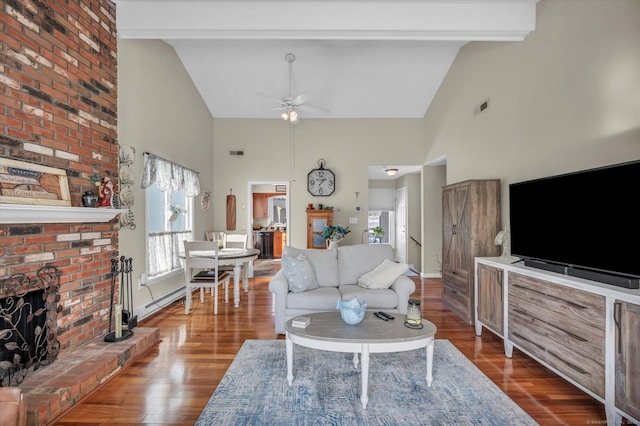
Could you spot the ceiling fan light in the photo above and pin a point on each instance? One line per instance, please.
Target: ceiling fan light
(391, 172)
(285, 115)
(293, 116)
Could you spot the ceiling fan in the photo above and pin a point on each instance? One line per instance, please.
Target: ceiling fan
(292, 104)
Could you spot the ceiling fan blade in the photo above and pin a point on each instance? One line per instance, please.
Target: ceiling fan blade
(300, 98)
(312, 108)
(271, 98)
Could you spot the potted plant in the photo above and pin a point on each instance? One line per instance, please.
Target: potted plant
(333, 234)
(175, 209)
(377, 231)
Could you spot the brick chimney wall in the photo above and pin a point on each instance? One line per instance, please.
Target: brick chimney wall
(58, 107)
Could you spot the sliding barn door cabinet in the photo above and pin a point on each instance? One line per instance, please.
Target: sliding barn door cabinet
(471, 221)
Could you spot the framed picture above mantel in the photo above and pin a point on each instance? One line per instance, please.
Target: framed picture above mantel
(28, 183)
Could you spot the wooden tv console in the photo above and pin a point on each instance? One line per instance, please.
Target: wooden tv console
(582, 330)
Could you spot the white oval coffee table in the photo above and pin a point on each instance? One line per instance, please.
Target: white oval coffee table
(327, 331)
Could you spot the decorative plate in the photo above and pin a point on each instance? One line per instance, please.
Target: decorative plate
(205, 201)
(126, 177)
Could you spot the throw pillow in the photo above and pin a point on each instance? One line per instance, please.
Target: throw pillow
(383, 275)
(299, 273)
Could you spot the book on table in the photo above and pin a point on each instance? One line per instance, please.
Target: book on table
(300, 322)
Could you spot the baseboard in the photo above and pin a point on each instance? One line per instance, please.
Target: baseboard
(431, 275)
(164, 300)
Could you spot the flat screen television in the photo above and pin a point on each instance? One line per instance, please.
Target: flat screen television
(584, 224)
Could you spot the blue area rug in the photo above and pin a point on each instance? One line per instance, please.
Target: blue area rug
(326, 390)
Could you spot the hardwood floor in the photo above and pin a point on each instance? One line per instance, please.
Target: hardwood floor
(171, 384)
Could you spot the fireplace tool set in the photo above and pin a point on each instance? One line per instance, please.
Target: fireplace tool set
(124, 305)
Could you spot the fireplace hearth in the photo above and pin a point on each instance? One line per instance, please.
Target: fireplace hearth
(28, 324)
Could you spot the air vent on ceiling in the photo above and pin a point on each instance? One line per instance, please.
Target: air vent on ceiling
(236, 152)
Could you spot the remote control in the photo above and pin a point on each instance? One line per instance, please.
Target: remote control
(386, 315)
(382, 317)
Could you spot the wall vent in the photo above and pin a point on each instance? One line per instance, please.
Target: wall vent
(483, 106)
(236, 152)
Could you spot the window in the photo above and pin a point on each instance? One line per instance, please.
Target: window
(169, 222)
(383, 219)
(169, 191)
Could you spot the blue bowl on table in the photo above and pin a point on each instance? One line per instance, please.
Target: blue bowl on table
(352, 311)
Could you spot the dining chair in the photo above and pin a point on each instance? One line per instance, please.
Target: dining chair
(238, 241)
(235, 241)
(214, 236)
(202, 271)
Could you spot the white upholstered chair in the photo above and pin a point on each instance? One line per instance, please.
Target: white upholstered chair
(202, 271)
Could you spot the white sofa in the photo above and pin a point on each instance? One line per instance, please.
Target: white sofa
(337, 273)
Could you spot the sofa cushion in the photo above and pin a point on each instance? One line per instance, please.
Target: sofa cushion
(375, 298)
(299, 273)
(323, 298)
(383, 275)
(324, 262)
(356, 260)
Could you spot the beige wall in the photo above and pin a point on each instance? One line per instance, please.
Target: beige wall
(348, 146)
(433, 179)
(566, 98)
(161, 112)
(412, 182)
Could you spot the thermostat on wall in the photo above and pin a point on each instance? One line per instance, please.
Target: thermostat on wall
(358, 209)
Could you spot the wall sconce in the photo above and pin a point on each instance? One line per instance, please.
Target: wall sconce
(391, 172)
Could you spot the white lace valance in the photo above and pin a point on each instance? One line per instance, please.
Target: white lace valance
(169, 175)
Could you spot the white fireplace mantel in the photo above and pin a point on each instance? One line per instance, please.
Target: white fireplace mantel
(23, 213)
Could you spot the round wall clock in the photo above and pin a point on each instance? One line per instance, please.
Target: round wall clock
(321, 182)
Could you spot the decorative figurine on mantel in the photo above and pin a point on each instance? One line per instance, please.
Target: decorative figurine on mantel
(106, 192)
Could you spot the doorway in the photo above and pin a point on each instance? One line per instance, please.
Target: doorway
(401, 224)
(268, 211)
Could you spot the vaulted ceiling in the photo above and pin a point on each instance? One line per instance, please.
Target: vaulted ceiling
(354, 58)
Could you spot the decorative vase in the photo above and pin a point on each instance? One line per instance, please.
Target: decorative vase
(89, 199)
(352, 310)
(331, 244)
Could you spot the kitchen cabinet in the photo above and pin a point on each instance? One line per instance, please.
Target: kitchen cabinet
(279, 241)
(260, 203)
(316, 221)
(471, 220)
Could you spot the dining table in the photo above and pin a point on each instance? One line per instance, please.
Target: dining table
(238, 258)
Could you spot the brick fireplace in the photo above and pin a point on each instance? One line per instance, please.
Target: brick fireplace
(59, 100)
(58, 103)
